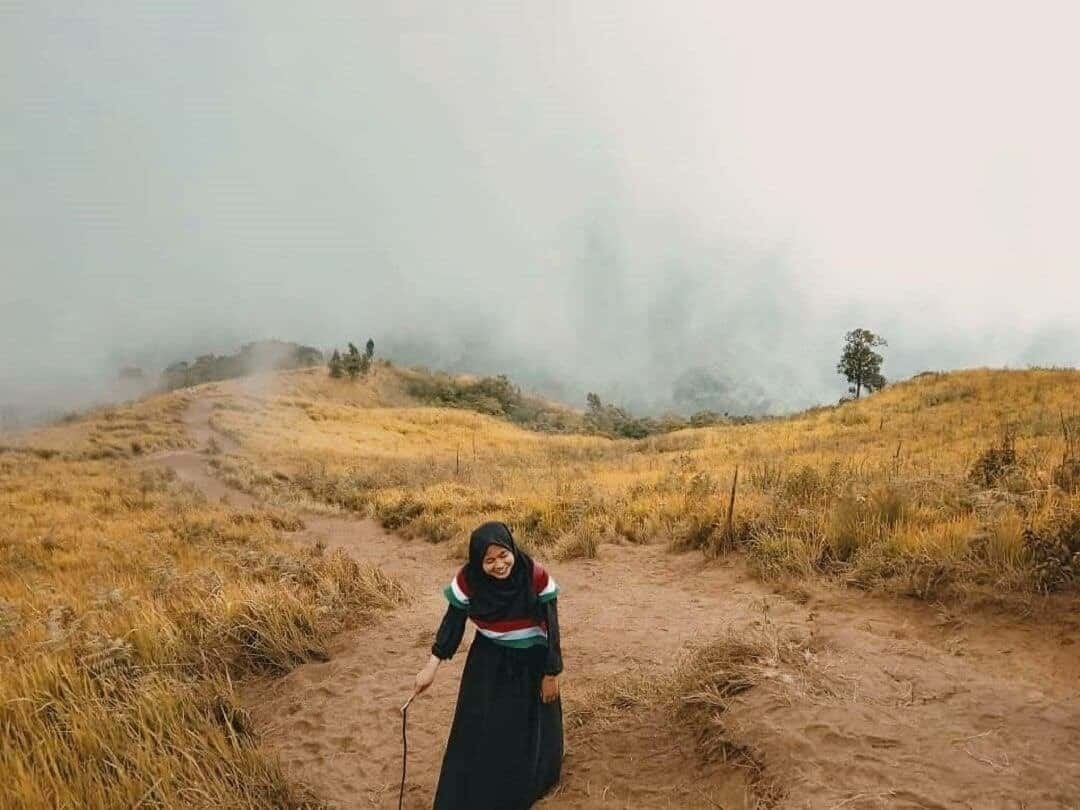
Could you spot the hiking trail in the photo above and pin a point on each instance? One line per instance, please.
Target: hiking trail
(938, 710)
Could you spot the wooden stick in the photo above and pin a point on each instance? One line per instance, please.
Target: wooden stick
(731, 501)
(1068, 442)
(404, 750)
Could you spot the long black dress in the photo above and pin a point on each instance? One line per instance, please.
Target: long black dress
(506, 746)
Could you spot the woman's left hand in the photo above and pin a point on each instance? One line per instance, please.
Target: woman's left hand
(549, 688)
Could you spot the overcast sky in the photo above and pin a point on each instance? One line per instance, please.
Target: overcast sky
(588, 195)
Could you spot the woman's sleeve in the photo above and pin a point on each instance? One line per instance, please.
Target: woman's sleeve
(553, 664)
(448, 636)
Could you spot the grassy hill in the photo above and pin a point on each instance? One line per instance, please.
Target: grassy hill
(128, 604)
(942, 481)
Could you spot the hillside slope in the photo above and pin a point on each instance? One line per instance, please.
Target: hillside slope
(940, 484)
(744, 676)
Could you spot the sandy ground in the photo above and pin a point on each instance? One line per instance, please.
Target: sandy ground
(930, 710)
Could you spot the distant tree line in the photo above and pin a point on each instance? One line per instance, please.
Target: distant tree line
(262, 355)
(859, 363)
(611, 420)
(499, 396)
(496, 396)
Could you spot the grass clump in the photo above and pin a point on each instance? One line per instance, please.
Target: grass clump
(704, 687)
(996, 461)
(1054, 550)
(713, 675)
(1066, 475)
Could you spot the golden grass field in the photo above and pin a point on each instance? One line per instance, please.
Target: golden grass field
(129, 606)
(880, 492)
(124, 431)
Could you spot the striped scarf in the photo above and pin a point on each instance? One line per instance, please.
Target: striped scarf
(522, 632)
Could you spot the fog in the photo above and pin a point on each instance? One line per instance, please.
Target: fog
(585, 195)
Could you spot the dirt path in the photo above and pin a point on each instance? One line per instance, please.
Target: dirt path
(934, 710)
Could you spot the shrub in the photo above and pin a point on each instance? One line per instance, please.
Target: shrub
(1067, 474)
(1055, 553)
(260, 355)
(996, 461)
(805, 485)
(577, 544)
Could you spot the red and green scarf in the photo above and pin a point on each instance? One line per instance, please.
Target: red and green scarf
(510, 632)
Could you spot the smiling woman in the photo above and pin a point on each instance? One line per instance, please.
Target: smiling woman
(508, 708)
(498, 561)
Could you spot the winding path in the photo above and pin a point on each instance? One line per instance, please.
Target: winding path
(942, 711)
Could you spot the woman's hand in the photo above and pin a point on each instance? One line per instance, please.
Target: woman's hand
(549, 688)
(426, 676)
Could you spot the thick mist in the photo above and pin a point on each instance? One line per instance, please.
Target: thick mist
(602, 196)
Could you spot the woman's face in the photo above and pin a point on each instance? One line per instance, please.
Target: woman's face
(498, 562)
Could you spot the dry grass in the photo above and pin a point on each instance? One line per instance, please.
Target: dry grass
(592, 711)
(701, 690)
(926, 488)
(128, 608)
(122, 431)
(713, 674)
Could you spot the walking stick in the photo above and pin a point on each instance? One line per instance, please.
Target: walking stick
(404, 750)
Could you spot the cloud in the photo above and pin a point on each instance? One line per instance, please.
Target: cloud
(589, 196)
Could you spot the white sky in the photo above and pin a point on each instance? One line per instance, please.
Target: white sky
(927, 151)
(753, 178)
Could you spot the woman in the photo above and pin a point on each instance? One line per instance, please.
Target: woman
(506, 743)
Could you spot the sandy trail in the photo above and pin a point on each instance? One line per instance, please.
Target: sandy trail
(935, 710)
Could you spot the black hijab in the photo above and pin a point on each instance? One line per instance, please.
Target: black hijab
(492, 599)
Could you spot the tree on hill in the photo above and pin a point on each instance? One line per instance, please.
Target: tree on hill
(859, 363)
(337, 368)
(611, 420)
(352, 361)
(366, 358)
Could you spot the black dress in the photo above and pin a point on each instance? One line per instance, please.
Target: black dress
(506, 746)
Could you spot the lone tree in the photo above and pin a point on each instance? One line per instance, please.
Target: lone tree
(366, 357)
(859, 363)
